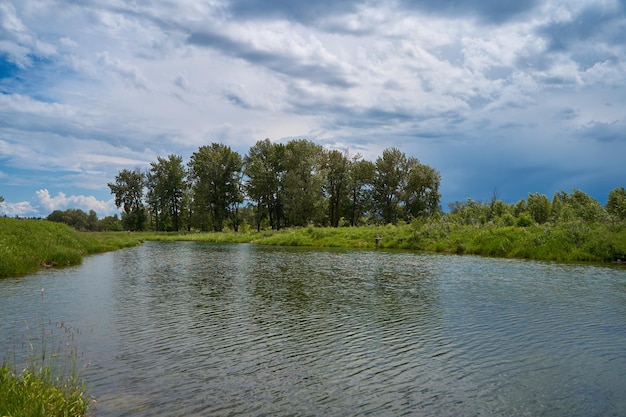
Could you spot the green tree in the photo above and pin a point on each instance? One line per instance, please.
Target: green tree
(616, 203)
(538, 207)
(128, 191)
(469, 212)
(389, 183)
(166, 185)
(215, 175)
(110, 224)
(335, 186)
(421, 192)
(264, 171)
(585, 207)
(360, 179)
(303, 183)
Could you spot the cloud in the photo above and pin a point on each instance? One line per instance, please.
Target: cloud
(491, 11)
(93, 87)
(279, 48)
(18, 42)
(614, 131)
(42, 204)
(303, 12)
(128, 73)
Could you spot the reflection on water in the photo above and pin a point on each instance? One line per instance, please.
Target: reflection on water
(184, 329)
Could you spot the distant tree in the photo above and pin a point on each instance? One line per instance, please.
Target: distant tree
(76, 218)
(166, 184)
(1, 200)
(110, 224)
(538, 207)
(303, 183)
(389, 182)
(359, 185)
(264, 170)
(128, 191)
(470, 212)
(336, 184)
(616, 203)
(215, 175)
(421, 192)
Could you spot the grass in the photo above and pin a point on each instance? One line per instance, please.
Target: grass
(550, 242)
(27, 245)
(49, 384)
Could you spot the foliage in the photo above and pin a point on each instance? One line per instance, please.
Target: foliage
(616, 204)
(303, 183)
(263, 167)
(166, 187)
(80, 220)
(215, 175)
(128, 192)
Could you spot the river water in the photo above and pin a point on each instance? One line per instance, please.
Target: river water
(197, 329)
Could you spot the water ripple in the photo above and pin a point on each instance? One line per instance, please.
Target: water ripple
(190, 329)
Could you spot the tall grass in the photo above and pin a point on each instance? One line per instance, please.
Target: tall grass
(27, 245)
(48, 383)
(553, 242)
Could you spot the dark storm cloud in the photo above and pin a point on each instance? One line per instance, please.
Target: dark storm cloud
(310, 12)
(593, 24)
(491, 11)
(283, 63)
(604, 131)
(305, 12)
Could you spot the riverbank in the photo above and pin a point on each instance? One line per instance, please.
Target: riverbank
(28, 245)
(571, 242)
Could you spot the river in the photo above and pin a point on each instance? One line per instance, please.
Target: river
(198, 329)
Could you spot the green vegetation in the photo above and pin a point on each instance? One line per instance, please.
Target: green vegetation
(285, 185)
(49, 384)
(577, 241)
(27, 245)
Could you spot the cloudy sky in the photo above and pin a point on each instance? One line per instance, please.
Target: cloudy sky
(498, 95)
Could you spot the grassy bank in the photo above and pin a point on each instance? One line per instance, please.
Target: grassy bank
(27, 245)
(563, 242)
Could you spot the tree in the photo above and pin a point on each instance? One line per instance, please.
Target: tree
(359, 186)
(1, 200)
(264, 171)
(616, 203)
(421, 193)
(128, 192)
(166, 184)
(303, 183)
(335, 186)
(389, 182)
(215, 175)
(538, 207)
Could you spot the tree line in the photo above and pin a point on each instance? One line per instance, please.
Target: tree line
(275, 186)
(537, 208)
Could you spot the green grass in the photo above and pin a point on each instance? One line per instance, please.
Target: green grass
(563, 242)
(49, 384)
(27, 245)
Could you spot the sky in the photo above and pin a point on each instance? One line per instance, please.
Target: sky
(502, 97)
